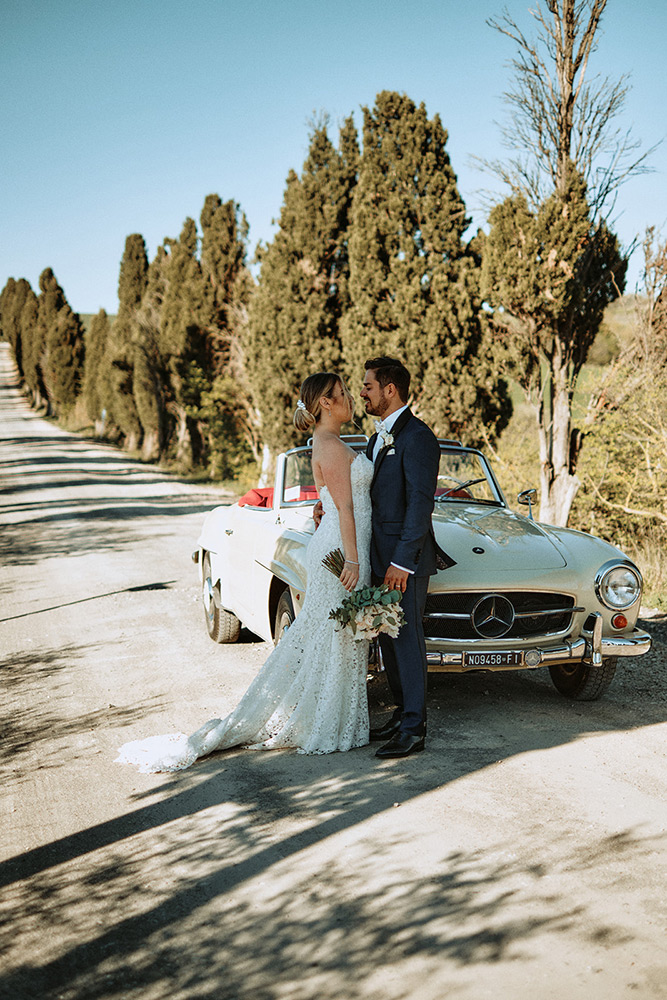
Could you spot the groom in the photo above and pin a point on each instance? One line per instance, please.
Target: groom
(404, 552)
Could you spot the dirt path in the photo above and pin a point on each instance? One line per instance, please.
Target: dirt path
(522, 856)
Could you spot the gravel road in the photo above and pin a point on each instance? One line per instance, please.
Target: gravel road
(521, 856)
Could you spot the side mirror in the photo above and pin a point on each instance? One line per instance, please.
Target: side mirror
(528, 498)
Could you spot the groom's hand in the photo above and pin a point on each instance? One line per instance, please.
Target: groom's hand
(396, 579)
(318, 513)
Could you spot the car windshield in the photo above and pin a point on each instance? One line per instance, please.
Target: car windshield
(298, 485)
(464, 476)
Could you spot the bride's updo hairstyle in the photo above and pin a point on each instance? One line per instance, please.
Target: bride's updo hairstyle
(308, 408)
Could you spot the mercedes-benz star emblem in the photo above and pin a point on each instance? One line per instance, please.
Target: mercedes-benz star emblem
(492, 616)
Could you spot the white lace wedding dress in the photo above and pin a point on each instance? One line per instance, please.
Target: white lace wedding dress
(311, 692)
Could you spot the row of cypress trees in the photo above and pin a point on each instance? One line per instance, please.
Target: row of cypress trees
(203, 362)
(166, 374)
(46, 337)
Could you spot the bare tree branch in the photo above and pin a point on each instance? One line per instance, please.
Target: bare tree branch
(636, 511)
(560, 117)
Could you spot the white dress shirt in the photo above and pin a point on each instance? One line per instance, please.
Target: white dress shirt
(388, 424)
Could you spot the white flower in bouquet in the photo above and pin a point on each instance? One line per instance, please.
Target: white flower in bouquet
(391, 630)
(364, 619)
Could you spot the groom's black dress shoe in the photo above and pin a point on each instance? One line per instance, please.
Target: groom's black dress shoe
(386, 731)
(401, 745)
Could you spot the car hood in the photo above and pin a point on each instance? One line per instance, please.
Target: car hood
(514, 541)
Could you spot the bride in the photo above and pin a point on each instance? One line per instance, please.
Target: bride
(311, 692)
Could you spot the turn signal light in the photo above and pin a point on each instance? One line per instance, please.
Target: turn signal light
(619, 621)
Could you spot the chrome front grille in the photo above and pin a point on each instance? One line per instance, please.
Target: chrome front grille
(450, 616)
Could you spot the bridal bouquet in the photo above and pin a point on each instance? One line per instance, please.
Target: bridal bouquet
(368, 611)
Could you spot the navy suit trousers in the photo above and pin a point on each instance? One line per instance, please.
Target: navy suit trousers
(404, 659)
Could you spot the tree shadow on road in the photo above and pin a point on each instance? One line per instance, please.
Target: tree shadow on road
(98, 527)
(64, 459)
(78, 478)
(254, 869)
(160, 585)
(189, 913)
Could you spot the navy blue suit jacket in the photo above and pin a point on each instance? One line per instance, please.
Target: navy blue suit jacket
(402, 492)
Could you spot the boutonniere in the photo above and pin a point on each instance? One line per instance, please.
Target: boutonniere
(386, 437)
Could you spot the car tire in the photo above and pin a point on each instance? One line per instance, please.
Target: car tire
(284, 616)
(221, 625)
(581, 681)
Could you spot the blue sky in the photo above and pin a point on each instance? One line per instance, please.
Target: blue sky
(120, 117)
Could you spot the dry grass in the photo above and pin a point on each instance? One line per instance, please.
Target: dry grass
(650, 554)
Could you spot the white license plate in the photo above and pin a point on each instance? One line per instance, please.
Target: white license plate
(506, 658)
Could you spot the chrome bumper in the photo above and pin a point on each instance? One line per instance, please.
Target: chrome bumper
(591, 647)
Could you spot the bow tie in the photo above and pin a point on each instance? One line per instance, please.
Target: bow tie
(379, 426)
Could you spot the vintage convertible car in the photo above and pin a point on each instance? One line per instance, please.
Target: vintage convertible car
(523, 595)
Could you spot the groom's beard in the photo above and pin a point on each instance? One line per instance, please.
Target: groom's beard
(379, 410)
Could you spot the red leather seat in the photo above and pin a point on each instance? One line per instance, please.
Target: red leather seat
(260, 497)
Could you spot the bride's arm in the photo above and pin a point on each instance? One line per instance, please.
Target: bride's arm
(334, 465)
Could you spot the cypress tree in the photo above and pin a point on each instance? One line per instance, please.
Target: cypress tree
(97, 340)
(549, 273)
(131, 287)
(29, 352)
(185, 311)
(7, 296)
(150, 379)
(64, 359)
(414, 283)
(226, 416)
(184, 302)
(223, 253)
(295, 317)
(12, 300)
(51, 302)
(47, 340)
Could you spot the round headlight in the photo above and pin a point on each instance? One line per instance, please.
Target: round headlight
(618, 586)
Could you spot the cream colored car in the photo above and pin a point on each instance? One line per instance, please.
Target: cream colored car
(522, 595)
